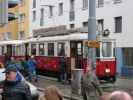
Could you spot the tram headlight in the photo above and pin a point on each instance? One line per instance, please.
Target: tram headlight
(107, 70)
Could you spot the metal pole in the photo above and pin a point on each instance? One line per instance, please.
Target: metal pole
(92, 31)
(3, 12)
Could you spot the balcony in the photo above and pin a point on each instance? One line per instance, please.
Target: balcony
(11, 16)
(12, 3)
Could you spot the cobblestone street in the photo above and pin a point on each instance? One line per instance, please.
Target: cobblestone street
(121, 84)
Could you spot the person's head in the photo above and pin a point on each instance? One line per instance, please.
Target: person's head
(32, 57)
(53, 93)
(11, 73)
(119, 95)
(12, 59)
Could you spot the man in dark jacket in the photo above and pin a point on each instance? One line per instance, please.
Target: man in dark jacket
(63, 70)
(13, 86)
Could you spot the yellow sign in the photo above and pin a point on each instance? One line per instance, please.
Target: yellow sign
(93, 43)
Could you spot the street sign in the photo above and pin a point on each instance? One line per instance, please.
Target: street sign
(93, 44)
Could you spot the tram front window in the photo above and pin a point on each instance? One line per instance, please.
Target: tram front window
(107, 49)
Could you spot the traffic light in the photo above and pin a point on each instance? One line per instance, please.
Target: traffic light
(3, 12)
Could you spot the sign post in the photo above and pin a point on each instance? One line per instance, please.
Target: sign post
(92, 34)
(3, 12)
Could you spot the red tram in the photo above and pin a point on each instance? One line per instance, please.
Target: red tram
(48, 50)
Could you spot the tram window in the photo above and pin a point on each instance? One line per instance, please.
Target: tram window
(33, 49)
(79, 49)
(107, 49)
(41, 49)
(97, 52)
(50, 49)
(2, 50)
(61, 49)
(13, 50)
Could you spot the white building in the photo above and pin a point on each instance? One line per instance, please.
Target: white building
(114, 15)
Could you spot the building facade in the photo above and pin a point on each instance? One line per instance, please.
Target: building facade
(114, 15)
(17, 25)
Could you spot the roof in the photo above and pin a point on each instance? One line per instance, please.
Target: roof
(13, 42)
(75, 36)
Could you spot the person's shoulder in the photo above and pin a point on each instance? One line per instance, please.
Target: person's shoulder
(22, 84)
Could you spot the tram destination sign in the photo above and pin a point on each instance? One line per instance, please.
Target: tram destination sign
(93, 44)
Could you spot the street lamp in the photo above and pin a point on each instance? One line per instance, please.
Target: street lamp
(106, 32)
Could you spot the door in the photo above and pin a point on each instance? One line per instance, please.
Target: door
(76, 54)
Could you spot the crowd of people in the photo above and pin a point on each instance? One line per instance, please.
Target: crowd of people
(27, 66)
(13, 88)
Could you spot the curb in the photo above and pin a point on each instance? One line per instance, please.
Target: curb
(47, 78)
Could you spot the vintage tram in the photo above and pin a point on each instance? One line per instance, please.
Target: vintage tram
(49, 50)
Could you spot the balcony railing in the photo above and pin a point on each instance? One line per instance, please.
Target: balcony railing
(12, 3)
(11, 16)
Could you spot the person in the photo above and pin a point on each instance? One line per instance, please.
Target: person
(32, 65)
(51, 93)
(7, 59)
(13, 88)
(119, 95)
(24, 67)
(90, 85)
(63, 70)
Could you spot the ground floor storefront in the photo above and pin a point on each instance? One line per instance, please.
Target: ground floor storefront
(125, 61)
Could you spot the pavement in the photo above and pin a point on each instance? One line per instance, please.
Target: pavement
(124, 84)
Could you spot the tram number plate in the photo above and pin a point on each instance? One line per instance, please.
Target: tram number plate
(93, 44)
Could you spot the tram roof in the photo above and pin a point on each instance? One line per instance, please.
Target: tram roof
(75, 36)
(11, 42)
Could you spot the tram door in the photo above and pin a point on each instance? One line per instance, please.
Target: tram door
(76, 53)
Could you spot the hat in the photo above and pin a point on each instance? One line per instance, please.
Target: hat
(9, 69)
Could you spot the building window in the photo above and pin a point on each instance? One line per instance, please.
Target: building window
(128, 56)
(100, 3)
(21, 17)
(34, 16)
(21, 2)
(41, 49)
(33, 49)
(61, 49)
(100, 26)
(60, 8)
(7, 36)
(85, 24)
(34, 3)
(72, 6)
(72, 12)
(117, 1)
(21, 35)
(118, 24)
(42, 17)
(50, 11)
(85, 4)
(72, 26)
(50, 49)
